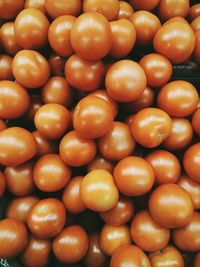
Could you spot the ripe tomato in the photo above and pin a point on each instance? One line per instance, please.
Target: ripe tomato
(147, 234)
(125, 10)
(187, 237)
(38, 4)
(171, 206)
(158, 69)
(98, 191)
(197, 260)
(146, 25)
(10, 8)
(196, 52)
(2, 125)
(2, 184)
(175, 41)
(194, 12)
(150, 127)
(143, 4)
(100, 162)
(133, 176)
(56, 9)
(196, 120)
(35, 103)
(57, 65)
(6, 68)
(91, 36)
(128, 75)
(196, 24)
(71, 244)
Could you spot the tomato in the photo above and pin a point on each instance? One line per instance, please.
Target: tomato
(13, 238)
(176, 19)
(71, 196)
(178, 98)
(19, 208)
(150, 127)
(124, 37)
(71, 244)
(10, 8)
(143, 4)
(192, 187)
(19, 179)
(94, 256)
(98, 191)
(8, 38)
(38, 4)
(169, 256)
(57, 65)
(108, 8)
(191, 162)
(59, 35)
(194, 12)
(129, 255)
(166, 166)
(154, 236)
(196, 24)
(128, 75)
(6, 68)
(92, 113)
(173, 8)
(91, 36)
(17, 146)
(171, 206)
(146, 25)
(187, 237)
(76, 150)
(2, 184)
(35, 103)
(45, 146)
(84, 74)
(100, 162)
(30, 68)
(2, 125)
(47, 218)
(125, 10)
(197, 260)
(36, 253)
(113, 237)
(158, 69)
(180, 135)
(56, 9)
(52, 120)
(15, 96)
(196, 53)
(133, 176)
(51, 173)
(175, 41)
(196, 120)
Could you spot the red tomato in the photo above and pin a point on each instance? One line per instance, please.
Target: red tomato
(194, 12)
(6, 68)
(35, 103)
(143, 4)
(100, 162)
(125, 10)
(38, 4)
(196, 120)
(2, 125)
(56, 9)
(57, 65)
(10, 8)
(2, 184)
(197, 260)
(196, 53)
(196, 24)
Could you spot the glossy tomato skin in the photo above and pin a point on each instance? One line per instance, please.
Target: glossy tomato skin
(51, 173)
(9, 8)
(57, 9)
(13, 238)
(150, 127)
(124, 37)
(38, 4)
(3, 125)
(133, 176)
(194, 12)
(15, 96)
(113, 237)
(108, 8)
(95, 256)
(178, 98)
(196, 120)
(17, 146)
(166, 166)
(180, 135)
(191, 162)
(98, 191)
(91, 36)
(75, 150)
(129, 255)
(146, 25)
(175, 41)
(19, 208)
(36, 253)
(100, 162)
(158, 69)
(44, 228)
(71, 244)
(187, 237)
(142, 4)
(6, 68)
(168, 256)
(128, 75)
(193, 189)
(125, 10)
(84, 74)
(59, 35)
(154, 236)
(52, 120)
(2, 184)
(30, 68)
(35, 103)
(197, 260)
(31, 28)
(57, 64)
(71, 196)
(92, 113)
(196, 52)
(19, 179)
(171, 206)
(117, 143)
(196, 24)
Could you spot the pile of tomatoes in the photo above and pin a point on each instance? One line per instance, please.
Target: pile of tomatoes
(99, 146)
